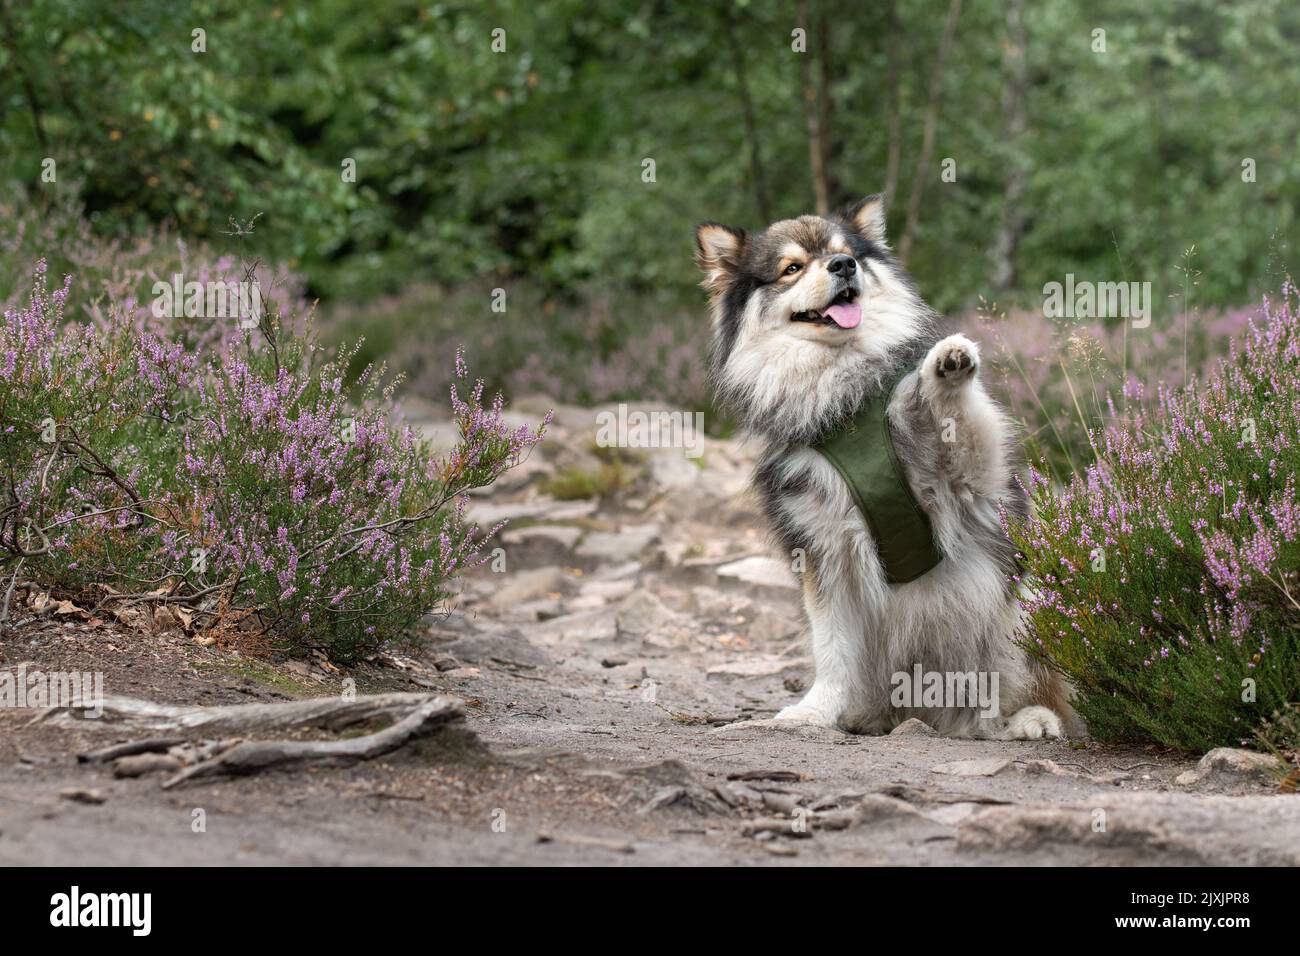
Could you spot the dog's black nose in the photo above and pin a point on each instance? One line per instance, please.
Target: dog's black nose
(841, 265)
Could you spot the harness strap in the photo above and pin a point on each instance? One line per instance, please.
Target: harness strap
(862, 451)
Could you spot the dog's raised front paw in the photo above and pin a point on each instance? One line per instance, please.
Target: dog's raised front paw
(954, 359)
(1033, 723)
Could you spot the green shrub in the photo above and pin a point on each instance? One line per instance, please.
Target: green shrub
(231, 479)
(1163, 580)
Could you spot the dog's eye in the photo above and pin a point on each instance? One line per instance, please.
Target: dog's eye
(792, 268)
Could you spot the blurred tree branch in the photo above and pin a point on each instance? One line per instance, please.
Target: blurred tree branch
(747, 110)
(816, 109)
(927, 142)
(893, 42)
(1014, 124)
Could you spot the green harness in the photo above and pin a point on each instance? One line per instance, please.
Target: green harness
(862, 451)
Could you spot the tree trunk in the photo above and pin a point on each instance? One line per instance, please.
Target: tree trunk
(893, 43)
(751, 121)
(813, 116)
(830, 147)
(927, 143)
(1014, 125)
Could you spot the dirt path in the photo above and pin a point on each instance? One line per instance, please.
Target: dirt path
(606, 670)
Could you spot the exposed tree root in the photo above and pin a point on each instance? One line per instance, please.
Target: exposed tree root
(253, 756)
(329, 713)
(415, 715)
(153, 745)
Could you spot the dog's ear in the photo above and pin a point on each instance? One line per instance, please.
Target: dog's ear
(867, 216)
(718, 251)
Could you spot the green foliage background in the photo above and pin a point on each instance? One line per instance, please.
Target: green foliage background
(527, 163)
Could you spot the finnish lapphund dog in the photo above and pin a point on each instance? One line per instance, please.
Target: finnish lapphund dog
(811, 319)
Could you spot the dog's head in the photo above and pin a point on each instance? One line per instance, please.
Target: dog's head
(809, 316)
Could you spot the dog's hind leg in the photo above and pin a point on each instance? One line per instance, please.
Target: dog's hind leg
(1033, 723)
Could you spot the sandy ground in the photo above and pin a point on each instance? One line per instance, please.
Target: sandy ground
(610, 675)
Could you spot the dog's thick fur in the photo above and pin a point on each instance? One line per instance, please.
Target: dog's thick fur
(790, 380)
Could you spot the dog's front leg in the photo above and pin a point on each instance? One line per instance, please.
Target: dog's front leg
(971, 428)
(837, 697)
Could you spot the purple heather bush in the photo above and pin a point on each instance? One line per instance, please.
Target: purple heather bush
(1054, 375)
(601, 348)
(236, 477)
(1162, 579)
(119, 274)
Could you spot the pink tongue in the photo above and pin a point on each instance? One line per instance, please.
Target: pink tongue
(846, 315)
